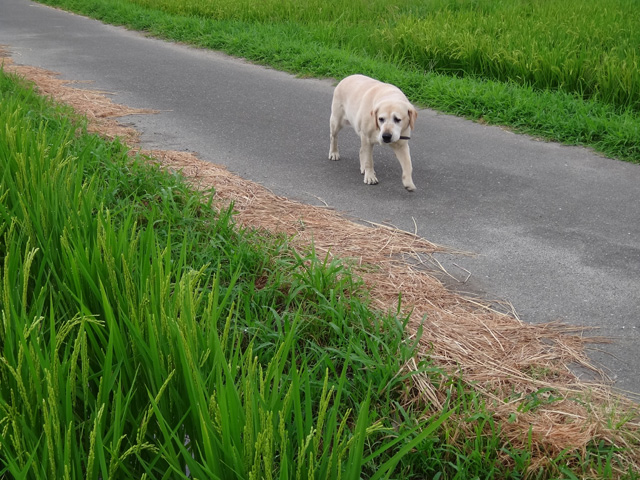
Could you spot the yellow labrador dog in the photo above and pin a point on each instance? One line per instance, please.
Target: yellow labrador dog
(379, 113)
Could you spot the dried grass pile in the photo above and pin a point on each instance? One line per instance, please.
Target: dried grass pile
(94, 104)
(509, 362)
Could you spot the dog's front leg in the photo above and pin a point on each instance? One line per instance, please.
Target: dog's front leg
(366, 162)
(404, 157)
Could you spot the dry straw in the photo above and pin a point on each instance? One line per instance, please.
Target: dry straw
(511, 363)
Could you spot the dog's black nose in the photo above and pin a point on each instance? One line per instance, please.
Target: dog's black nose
(386, 137)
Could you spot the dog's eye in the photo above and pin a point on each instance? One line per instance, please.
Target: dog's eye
(381, 119)
(396, 119)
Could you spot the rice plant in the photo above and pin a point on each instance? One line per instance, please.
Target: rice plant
(582, 47)
(134, 343)
(143, 334)
(562, 71)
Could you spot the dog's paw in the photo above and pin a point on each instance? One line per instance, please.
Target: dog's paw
(335, 156)
(370, 178)
(409, 186)
(408, 183)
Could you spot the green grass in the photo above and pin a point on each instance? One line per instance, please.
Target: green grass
(576, 46)
(143, 334)
(565, 71)
(135, 342)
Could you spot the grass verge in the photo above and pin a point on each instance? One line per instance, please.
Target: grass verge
(467, 70)
(145, 335)
(150, 336)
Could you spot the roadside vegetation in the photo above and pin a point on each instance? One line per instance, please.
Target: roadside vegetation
(145, 334)
(564, 71)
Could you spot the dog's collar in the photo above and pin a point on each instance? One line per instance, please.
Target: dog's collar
(405, 138)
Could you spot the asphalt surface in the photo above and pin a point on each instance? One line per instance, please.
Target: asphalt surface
(555, 229)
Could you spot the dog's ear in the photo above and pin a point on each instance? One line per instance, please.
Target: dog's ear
(374, 113)
(413, 114)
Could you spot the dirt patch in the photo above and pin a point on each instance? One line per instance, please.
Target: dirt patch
(514, 365)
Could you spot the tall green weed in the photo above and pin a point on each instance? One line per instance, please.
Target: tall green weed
(145, 335)
(134, 342)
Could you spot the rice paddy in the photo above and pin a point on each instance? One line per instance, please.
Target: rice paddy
(563, 71)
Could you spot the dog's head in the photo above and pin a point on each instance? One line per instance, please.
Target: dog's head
(392, 118)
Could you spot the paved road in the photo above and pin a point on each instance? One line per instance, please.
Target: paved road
(556, 229)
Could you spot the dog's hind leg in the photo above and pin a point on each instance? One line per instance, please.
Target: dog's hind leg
(335, 125)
